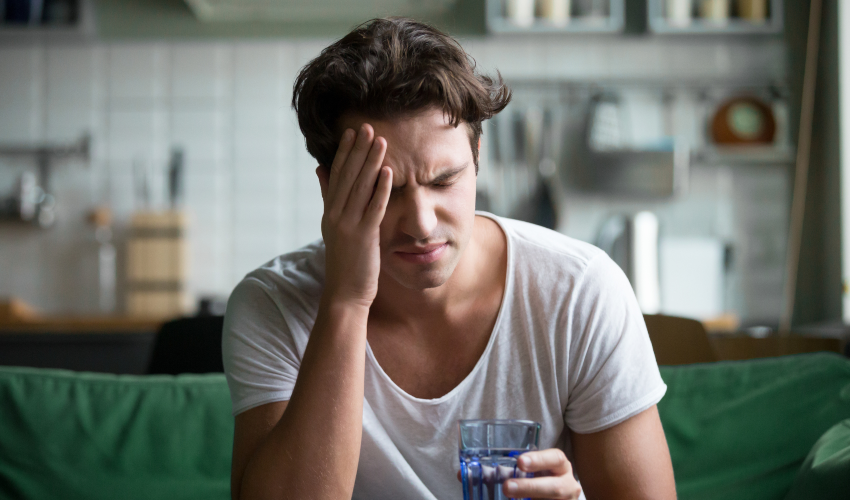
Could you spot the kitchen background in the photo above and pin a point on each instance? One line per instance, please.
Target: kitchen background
(153, 87)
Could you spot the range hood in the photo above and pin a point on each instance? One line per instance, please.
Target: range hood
(312, 10)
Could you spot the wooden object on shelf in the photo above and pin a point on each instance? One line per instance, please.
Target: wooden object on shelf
(13, 310)
(156, 265)
(754, 11)
(714, 11)
(728, 322)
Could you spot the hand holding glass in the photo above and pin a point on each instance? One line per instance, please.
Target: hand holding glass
(488, 452)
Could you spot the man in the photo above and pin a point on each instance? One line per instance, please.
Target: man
(351, 360)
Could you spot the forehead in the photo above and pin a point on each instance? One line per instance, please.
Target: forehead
(425, 139)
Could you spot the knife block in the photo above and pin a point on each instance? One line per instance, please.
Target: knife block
(156, 265)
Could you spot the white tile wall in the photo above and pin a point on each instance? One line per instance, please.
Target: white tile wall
(250, 185)
(138, 73)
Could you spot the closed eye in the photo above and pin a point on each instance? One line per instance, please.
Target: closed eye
(445, 180)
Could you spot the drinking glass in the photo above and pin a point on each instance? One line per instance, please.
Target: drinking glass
(488, 450)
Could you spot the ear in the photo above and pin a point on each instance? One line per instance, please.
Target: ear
(479, 144)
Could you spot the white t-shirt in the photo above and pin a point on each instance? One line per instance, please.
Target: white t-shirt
(569, 350)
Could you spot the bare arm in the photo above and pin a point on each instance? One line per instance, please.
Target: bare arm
(628, 461)
(309, 447)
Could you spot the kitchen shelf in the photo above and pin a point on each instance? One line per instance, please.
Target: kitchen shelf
(498, 22)
(744, 155)
(773, 23)
(38, 205)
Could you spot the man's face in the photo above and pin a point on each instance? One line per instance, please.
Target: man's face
(431, 211)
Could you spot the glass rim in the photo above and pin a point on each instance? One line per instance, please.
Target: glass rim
(497, 421)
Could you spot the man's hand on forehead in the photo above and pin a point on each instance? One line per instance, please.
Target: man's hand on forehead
(355, 190)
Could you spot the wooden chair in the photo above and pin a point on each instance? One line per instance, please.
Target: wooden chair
(678, 341)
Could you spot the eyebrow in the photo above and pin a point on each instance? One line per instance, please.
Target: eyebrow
(448, 174)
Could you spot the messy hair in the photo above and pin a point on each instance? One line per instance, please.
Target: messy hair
(392, 68)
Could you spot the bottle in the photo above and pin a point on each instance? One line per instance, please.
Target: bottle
(101, 218)
(556, 12)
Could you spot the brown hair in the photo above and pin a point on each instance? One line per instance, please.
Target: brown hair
(389, 68)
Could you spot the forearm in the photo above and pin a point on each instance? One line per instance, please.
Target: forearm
(313, 451)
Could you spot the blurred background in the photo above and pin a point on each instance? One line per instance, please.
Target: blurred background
(149, 156)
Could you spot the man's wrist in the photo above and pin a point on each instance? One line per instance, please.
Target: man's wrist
(335, 310)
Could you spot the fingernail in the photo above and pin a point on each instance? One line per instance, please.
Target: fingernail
(348, 135)
(524, 461)
(510, 486)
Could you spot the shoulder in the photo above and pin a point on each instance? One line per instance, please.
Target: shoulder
(562, 275)
(300, 272)
(538, 247)
(290, 284)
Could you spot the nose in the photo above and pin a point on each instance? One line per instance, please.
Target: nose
(420, 217)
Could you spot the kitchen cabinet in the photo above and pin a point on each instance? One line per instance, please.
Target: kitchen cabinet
(719, 17)
(71, 21)
(99, 344)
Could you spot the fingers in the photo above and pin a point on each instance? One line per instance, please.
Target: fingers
(364, 187)
(342, 180)
(346, 143)
(555, 487)
(378, 205)
(552, 460)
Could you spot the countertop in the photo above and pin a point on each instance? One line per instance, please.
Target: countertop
(81, 324)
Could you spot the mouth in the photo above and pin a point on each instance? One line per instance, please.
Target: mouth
(423, 255)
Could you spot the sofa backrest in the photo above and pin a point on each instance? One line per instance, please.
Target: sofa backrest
(736, 430)
(71, 435)
(741, 429)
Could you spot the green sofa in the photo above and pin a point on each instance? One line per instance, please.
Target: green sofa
(765, 429)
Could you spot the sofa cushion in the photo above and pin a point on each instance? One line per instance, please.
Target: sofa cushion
(70, 435)
(741, 429)
(825, 474)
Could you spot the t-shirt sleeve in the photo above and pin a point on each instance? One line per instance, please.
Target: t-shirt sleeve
(614, 375)
(260, 347)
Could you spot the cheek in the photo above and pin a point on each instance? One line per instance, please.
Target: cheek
(458, 209)
(464, 199)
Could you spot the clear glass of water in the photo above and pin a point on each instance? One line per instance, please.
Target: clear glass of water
(488, 453)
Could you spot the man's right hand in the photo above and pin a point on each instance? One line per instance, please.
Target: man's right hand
(354, 208)
(309, 447)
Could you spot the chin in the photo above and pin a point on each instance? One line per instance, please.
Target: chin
(422, 277)
(421, 281)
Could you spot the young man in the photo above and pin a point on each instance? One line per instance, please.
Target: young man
(351, 360)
